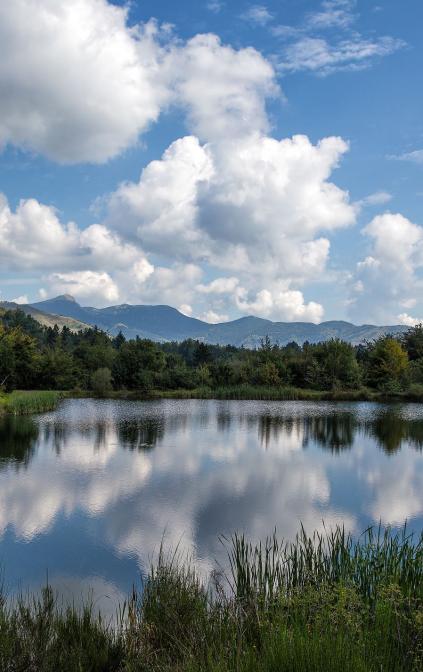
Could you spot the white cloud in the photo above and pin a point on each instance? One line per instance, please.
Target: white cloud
(33, 237)
(323, 58)
(161, 207)
(333, 14)
(219, 286)
(408, 320)
(414, 157)
(215, 6)
(223, 90)
(326, 42)
(76, 83)
(186, 309)
(377, 198)
(287, 305)
(173, 285)
(21, 299)
(258, 14)
(252, 206)
(214, 318)
(85, 286)
(389, 277)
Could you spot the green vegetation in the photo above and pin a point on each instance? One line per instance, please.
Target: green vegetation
(323, 603)
(45, 358)
(23, 403)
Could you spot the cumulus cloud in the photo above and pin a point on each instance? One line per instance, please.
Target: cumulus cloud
(254, 212)
(33, 237)
(76, 83)
(223, 90)
(253, 206)
(289, 304)
(85, 285)
(396, 253)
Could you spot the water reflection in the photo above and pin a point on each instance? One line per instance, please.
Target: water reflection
(391, 430)
(142, 434)
(103, 480)
(18, 438)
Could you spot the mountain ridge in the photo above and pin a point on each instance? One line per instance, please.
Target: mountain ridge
(45, 318)
(165, 323)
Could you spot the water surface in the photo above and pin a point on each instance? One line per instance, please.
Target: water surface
(88, 491)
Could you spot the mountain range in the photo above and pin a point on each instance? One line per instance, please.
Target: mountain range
(163, 323)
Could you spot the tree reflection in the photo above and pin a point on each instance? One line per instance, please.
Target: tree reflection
(18, 437)
(390, 429)
(332, 432)
(142, 434)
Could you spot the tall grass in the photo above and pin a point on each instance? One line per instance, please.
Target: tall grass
(324, 603)
(22, 403)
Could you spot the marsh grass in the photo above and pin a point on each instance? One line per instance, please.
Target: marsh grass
(325, 603)
(24, 403)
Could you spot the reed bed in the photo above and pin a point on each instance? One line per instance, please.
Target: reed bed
(324, 603)
(24, 403)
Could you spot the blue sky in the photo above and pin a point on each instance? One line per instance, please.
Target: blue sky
(281, 144)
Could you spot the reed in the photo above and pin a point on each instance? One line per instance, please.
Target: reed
(23, 403)
(323, 603)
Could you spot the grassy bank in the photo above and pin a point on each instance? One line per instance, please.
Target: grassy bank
(245, 392)
(325, 603)
(23, 403)
(238, 392)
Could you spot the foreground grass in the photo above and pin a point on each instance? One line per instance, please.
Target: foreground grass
(23, 403)
(322, 604)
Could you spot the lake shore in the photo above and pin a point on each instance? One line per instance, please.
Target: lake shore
(325, 603)
(39, 401)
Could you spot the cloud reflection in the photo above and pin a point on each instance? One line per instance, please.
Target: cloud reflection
(198, 469)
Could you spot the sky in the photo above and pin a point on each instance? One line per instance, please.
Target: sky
(225, 158)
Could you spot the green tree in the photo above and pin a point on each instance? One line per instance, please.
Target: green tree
(388, 364)
(101, 382)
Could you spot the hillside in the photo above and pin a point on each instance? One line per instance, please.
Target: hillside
(163, 323)
(47, 319)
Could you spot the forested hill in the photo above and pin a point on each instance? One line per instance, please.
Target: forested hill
(47, 319)
(163, 323)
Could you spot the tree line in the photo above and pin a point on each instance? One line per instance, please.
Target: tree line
(36, 357)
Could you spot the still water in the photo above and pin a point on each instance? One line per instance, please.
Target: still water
(88, 492)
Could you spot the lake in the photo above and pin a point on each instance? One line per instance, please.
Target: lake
(89, 491)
